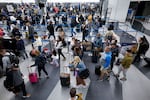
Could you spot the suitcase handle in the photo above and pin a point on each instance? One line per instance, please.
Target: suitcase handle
(65, 69)
(29, 69)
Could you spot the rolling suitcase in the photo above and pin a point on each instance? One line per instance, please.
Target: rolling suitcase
(33, 77)
(65, 77)
(94, 56)
(97, 70)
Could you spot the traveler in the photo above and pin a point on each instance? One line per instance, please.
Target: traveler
(98, 41)
(59, 46)
(38, 42)
(115, 53)
(55, 58)
(74, 95)
(79, 67)
(18, 81)
(30, 31)
(125, 64)
(40, 62)
(50, 28)
(105, 62)
(21, 47)
(142, 49)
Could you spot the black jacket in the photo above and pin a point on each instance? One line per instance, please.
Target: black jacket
(1, 62)
(50, 28)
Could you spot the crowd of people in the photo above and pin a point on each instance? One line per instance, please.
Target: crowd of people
(106, 45)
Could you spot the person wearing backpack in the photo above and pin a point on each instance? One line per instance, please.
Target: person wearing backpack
(40, 62)
(18, 81)
(98, 41)
(2, 53)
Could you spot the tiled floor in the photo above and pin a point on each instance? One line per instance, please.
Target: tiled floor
(135, 88)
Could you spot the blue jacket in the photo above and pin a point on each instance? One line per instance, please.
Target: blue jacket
(98, 42)
(81, 66)
(107, 59)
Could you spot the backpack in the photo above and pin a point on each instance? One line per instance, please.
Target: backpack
(13, 58)
(79, 96)
(8, 82)
(42, 60)
(64, 43)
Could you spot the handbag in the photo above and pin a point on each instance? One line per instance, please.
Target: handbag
(84, 74)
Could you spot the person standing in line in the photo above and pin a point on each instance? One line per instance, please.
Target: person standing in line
(21, 47)
(142, 49)
(2, 67)
(79, 67)
(50, 28)
(115, 53)
(125, 65)
(105, 62)
(30, 31)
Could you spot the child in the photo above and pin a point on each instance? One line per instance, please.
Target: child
(55, 58)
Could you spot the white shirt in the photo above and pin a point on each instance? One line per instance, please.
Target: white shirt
(38, 42)
(55, 57)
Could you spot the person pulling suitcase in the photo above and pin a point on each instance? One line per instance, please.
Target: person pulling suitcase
(40, 62)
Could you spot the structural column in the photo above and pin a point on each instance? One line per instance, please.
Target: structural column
(119, 10)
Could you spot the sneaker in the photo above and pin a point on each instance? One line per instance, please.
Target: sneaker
(84, 86)
(57, 65)
(27, 96)
(64, 59)
(40, 78)
(99, 79)
(123, 79)
(108, 78)
(51, 63)
(47, 76)
(116, 75)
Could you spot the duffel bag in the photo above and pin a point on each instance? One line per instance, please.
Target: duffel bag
(84, 74)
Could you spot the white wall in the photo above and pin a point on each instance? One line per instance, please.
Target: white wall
(119, 9)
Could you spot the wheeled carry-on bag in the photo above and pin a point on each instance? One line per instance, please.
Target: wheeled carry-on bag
(33, 77)
(94, 56)
(97, 70)
(65, 77)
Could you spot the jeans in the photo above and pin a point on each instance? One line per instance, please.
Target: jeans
(23, 54)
